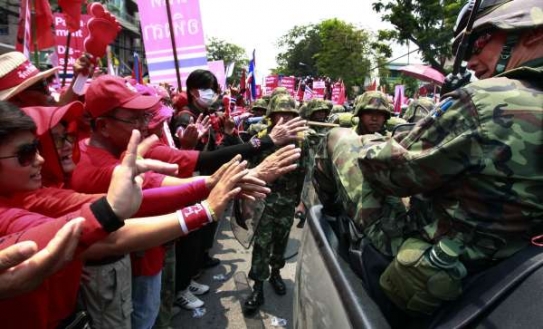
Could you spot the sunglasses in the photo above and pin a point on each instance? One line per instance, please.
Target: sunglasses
(60, 140)
(26, 153)
(480, 43)
(40, 86)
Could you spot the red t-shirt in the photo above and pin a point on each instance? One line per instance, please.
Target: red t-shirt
(55, 299)
(185, 159)
(92, 175)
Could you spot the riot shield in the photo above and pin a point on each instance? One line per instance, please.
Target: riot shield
(244, 220)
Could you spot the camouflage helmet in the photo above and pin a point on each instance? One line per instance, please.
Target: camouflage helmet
(507, 15)
(260, 104)
(338, 109)
(372, 101)
(317, 105)
(357, 100)
(303, 110)
(282, 104)
(418, 109)
(279, 91)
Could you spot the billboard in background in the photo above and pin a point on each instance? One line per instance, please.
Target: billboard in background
(76, 48)
(188, 35)
(217, 67)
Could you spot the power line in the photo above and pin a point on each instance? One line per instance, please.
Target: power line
(392, 60)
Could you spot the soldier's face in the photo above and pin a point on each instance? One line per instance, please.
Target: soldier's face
(372, 121)
(319, 116)
(486, 53)
(287, 116)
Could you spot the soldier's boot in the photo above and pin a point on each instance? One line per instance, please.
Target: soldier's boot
(277, 282)
(253, 302)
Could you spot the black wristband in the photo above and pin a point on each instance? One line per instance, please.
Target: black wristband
(105, 215)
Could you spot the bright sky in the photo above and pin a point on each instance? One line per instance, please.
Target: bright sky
(258, 24)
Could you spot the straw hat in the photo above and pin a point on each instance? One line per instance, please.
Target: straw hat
(17, 73)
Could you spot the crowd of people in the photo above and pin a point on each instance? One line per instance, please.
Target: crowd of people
(110, 200)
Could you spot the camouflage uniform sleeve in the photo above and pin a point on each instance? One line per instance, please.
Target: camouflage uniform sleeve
(440, 147)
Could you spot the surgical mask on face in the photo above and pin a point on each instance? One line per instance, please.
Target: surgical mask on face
(207, 97)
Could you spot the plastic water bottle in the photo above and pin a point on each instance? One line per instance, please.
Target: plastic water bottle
(79, 84)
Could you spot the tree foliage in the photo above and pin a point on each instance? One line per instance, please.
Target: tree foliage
(221, 50)
(426, 23)
(331, 48)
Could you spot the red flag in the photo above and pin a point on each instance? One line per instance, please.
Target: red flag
(72, 13)
(373, 86)
(341, 98)
(42, 24)
(23, 30)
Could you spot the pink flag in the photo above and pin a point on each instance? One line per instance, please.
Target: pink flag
(398, 98)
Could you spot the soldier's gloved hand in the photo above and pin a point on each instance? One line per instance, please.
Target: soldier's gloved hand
(453, 82)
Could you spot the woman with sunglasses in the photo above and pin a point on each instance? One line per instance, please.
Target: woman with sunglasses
(55, 299)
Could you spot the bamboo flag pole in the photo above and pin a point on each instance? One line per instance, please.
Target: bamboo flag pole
(174, 47)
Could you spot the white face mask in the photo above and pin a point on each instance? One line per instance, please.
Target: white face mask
(207, 97)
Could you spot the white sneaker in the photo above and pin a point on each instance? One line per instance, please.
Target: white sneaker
(197, 288)
(187, 300)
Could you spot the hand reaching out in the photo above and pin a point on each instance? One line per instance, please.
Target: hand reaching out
(284, 133)
(23, 267)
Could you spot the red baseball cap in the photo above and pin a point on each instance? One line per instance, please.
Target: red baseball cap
(109, 92)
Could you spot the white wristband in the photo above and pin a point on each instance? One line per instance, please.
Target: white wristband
(182, 223)
(207, 209)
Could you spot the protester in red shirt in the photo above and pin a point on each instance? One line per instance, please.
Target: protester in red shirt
(23, 268)
(116, 108)
(19, 158)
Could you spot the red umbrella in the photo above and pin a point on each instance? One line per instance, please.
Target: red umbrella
(423, 72)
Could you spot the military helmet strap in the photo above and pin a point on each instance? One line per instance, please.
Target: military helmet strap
(505, 54)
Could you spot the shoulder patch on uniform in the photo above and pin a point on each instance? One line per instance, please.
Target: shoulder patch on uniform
(442, 107)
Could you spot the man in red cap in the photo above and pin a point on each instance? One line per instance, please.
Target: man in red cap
(22, 84)
(116, 108)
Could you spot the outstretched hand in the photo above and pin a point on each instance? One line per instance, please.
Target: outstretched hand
(226, 188)
(124, 194)
(23, 268)
(189, 136)
(277, 164)
(288, 132)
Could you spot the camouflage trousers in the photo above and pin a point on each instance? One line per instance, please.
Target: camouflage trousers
(270, 241)
(339, 182)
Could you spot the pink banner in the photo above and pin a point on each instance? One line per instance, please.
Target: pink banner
(338, 93)
(188, 33)
(319, 88)
(272, 82)
(217, 67)
(289, 83)
(76, 49)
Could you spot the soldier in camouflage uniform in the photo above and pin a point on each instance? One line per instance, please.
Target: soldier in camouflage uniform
(474, 161)
(317, 111)
(273, 230)
(258, 109)
(372, 110)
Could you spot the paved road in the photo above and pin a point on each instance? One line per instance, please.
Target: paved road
(223, 302)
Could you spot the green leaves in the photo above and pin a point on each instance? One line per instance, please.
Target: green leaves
(228, 52)
(426, 23)
(331, 48)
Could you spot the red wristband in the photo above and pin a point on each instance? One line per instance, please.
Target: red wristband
(192, 218)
